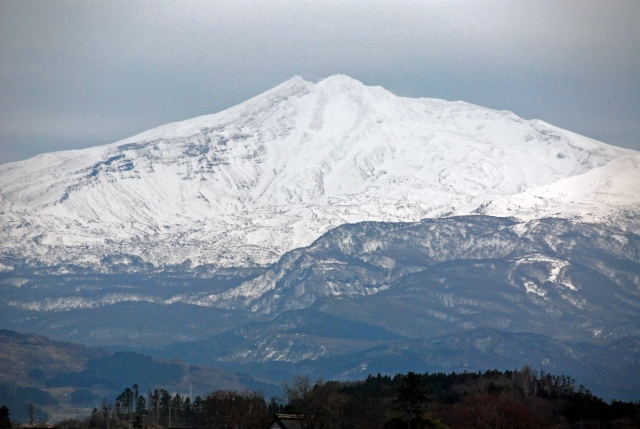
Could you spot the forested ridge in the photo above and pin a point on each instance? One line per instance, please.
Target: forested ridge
(519, 399)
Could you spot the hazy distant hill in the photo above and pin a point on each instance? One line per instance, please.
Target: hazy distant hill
(60, 377)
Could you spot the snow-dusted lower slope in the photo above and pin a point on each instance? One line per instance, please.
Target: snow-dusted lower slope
(610, 194)
(245, 185)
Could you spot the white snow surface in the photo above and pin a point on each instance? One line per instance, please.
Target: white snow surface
(245, 185)
(610, 193)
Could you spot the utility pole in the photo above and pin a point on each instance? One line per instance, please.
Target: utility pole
(108, 415)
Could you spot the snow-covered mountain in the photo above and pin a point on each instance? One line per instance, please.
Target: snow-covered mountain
(608, 194)
(555, 277)
(244, 186)
(233, 239)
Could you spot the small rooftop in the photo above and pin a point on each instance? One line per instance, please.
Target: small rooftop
(286, 421)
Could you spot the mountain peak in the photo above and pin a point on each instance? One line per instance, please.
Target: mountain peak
(340, 80)
(296, 84)
(275, 172)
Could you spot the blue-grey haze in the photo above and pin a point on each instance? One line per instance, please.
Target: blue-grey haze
(75, 74)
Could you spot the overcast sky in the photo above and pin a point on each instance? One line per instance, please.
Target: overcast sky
(75, 74)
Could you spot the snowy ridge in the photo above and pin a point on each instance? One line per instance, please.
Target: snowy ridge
(245, 185)
(609, 194)
(468, 265)
(69, 303)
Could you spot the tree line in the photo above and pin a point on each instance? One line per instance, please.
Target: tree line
(519, 399)
(158, 408)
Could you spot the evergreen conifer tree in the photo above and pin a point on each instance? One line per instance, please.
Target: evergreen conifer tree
(5, 421)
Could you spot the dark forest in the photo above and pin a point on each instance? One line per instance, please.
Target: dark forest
(519, 399)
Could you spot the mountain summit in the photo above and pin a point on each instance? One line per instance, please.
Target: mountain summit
(244, 186)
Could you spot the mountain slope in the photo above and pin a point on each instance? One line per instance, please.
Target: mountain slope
(608, 194)
(563, 279)
(243, 186)
(609, 369)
